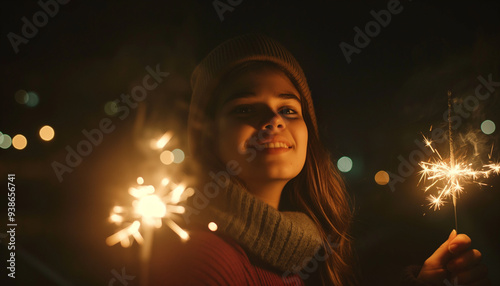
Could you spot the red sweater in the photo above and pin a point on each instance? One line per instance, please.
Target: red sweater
(207, 259)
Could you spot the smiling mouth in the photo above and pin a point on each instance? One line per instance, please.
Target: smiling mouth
(274, 145)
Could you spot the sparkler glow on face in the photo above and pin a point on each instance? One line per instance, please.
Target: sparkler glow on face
(449, 175)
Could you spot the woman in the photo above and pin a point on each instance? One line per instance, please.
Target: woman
(267, 183)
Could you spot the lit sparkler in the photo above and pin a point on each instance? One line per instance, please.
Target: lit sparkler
(149, 209)
(449, 175)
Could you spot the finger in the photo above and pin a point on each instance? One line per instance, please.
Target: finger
(472, 275)
(442, 255)
(465, 261)
(459, 244)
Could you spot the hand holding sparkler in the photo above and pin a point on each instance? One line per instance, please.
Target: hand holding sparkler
(456, 263)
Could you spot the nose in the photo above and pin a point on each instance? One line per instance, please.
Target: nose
(275, 123)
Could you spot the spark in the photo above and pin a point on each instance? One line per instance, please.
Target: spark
(450, 175)
(162, 141)
(450, 179)
(149, 209)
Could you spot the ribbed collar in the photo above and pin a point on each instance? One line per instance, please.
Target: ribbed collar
(283, 240)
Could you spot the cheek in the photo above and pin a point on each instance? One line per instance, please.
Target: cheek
(230, 140)
(302, 138)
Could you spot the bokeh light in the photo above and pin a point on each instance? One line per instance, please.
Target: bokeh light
(344, 164)
(21, 96)
(212, 226)
(166, 157)
(178, 155)
(19, 142)
(140, 180)
(488, 127)
(32, 99)
(382, 178)
(46, 133)
(6, 141)
(111, 108)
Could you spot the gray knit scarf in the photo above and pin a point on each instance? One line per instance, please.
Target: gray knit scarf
(283, 240)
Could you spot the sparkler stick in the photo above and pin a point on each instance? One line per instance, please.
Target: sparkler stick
(452, 157)
(146, 254)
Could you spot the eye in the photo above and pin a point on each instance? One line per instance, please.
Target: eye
(288, 111)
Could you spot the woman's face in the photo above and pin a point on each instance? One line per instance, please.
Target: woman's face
(260, 125)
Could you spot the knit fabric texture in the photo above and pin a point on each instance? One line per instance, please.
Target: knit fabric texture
(283, 240)
(231, 53)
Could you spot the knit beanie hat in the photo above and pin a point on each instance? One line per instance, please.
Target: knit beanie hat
(221, 60)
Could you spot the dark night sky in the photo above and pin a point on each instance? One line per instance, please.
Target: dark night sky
(371, 109)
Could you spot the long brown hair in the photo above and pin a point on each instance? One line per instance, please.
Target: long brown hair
(318, 190)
